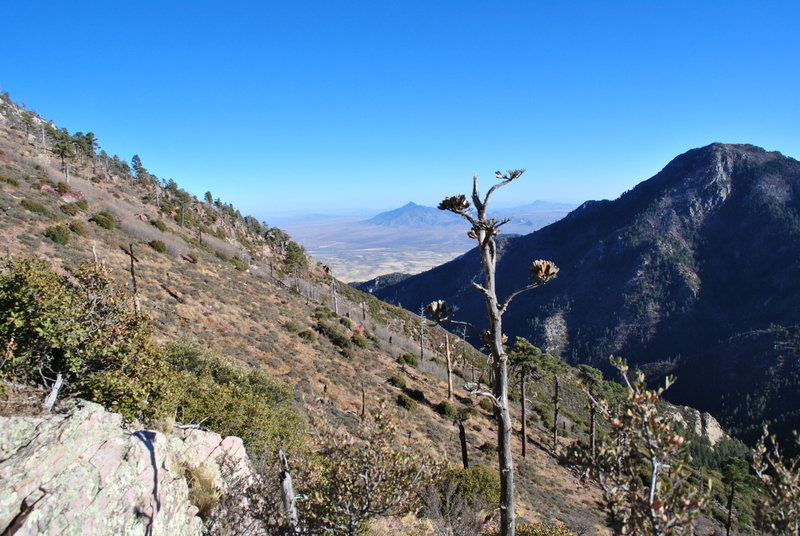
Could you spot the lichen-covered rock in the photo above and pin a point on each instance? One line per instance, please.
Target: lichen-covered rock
(82, 471)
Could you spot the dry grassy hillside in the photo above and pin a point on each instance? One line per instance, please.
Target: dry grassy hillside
(216, 282)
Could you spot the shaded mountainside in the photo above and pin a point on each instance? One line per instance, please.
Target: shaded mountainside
(693, 272)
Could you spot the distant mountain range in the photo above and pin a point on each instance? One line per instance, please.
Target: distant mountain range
(413, 215)
(409, 239)
(694, 272)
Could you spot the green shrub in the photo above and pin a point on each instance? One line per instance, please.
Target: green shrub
(238, 264)
(62, 187)
(104, 219)
(536, 529)
(160, 225)
(346, 322)
(359, 341)
(192, 258)
(221, 256)
(231, 400)
(405, 402)
(36, 208)
(78, 228)
(293, 327)
(82, 204)
(307, 335)
(9, 180)
(58, 234)
(398, 381)
(466, 414)
(334, 333)
(409, 359)
(477, 485)
(94, 339)
(323, 312)
(486, 405)
(446, 409)
(488, 448)
(69, 209)
(158, 245)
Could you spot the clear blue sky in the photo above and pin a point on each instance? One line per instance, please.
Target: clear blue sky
(318, 106)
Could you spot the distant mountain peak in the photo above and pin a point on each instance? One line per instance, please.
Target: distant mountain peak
(413, 215)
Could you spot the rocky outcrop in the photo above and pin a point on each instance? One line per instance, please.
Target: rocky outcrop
(702, 424)
(84, 471)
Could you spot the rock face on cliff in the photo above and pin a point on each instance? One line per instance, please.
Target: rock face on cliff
(83, 471)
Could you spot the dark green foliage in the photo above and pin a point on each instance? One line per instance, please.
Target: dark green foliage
(78, 228)
(104, 219)
(446, 409)
(412, 360)
(405, 402)
(36, 208)
(9, 180)
(307, 335)
(295, 258)
(84, 330)
(477, 485)
(232, 400)
(158, 245)
(62, 187)
(398, 381)
(346, 322)
(359, 341)
(82, 204)
(486, 405)
(69, 209)
(58, 234)
(160, 225)
(221, 256)
(238, 264)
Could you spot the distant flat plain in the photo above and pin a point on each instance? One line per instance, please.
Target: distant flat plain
(358, 250)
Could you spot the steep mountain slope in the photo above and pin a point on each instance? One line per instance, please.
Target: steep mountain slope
(695, 272)
(207, 274)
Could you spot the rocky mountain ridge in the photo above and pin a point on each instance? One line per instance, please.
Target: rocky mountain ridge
(693, 272)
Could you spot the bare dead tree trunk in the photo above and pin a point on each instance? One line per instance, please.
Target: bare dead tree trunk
(333, 295)
(524, 418)
(462, 436)
(421, 333)
(136, 305)
(483, 230)
(50, 401)
(363, 402)
(449, 366)
(556, 386)
(363, 310)
(592, 434)
(287, 492)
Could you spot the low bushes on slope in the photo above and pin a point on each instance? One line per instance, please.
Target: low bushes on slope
(84, 328)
